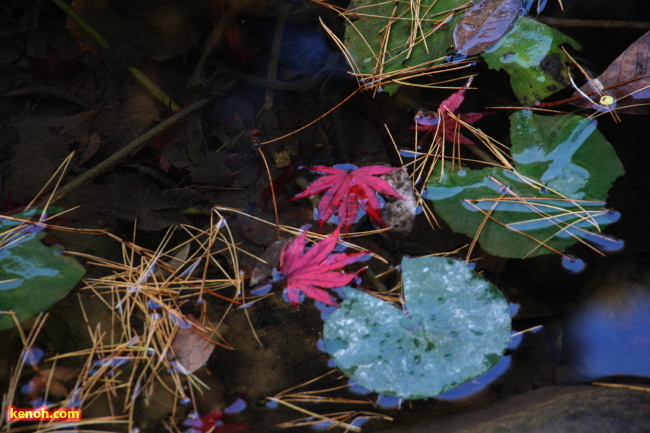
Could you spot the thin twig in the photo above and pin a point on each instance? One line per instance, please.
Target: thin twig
(291, 86)
(315, 120)
(216, 35)
(276, 47)
(601, 24)
(127, 150)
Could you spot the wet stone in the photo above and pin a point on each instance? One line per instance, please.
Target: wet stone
(576, 409)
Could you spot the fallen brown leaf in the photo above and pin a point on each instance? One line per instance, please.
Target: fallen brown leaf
(626, 79)
(192, 346)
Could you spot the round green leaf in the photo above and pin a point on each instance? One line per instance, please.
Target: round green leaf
(33, 277)
(457, 327)
(565, 168)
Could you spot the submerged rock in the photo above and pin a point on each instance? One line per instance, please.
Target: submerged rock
(575, 409)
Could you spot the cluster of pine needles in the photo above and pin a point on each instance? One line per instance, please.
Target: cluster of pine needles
(147, 295)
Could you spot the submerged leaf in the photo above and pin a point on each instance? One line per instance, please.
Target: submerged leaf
(626, 81)
(192, 347)
(457, 327)
(530, 52)
(564, 169)
(484, 24)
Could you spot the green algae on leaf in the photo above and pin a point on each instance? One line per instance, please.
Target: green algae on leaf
(564, 168)
(457, 327)
(530, 52)
(33, 277)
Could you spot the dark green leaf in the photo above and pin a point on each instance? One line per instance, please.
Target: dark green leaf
(370, 20)
(530, 52)
(565, 168)
(33, 277)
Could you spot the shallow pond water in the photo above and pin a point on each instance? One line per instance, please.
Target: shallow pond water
(571, 328)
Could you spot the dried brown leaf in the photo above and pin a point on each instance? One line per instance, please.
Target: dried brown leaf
(626, 79)
(192, 347)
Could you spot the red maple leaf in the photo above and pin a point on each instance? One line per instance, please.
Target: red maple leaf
(349, 187)
(448, 128)
(305, 270)
(213, 422)
(216, 421)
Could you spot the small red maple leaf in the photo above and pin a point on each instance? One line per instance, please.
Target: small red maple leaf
(305, 270)
(213, 423)
(349, 187)
(216, 421)
(448, 128)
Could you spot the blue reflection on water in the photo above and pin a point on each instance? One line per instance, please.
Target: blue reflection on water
(304, 48)
(262, 290)
(388, 402)
(608, 334)
(573, 264)
(320, 345)
(409, 153)
(358, 389)
(359, 421)
(325, 310)
(480, 383)
(603, 242)
(33, 356)
(237, 406)
(323, 425)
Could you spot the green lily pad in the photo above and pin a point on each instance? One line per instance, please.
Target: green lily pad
(459, 327)
(33, 277)
(369, 20)
(564, 170)
(530, 52)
